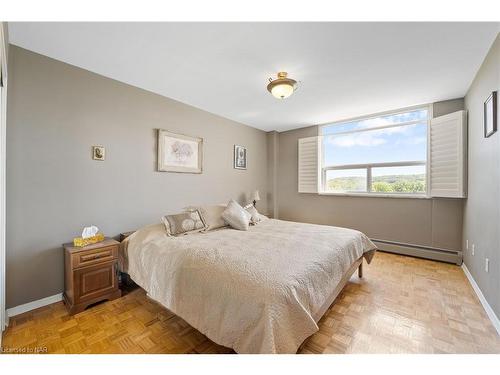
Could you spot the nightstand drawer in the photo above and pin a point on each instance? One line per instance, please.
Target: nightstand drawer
(88, 258)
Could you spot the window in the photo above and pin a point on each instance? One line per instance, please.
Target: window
(385, 154)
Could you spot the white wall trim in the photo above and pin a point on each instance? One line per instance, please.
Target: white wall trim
(489, 311)
(3, 127)
(13, 311)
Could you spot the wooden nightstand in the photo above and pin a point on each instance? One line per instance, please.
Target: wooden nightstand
(90, 274)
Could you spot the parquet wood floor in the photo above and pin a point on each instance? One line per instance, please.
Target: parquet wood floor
(402, 305)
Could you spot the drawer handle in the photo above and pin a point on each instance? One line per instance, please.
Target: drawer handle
(95, 256)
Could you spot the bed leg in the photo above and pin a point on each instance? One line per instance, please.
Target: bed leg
(360, 270)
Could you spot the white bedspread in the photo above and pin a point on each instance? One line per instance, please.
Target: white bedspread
(255, 291)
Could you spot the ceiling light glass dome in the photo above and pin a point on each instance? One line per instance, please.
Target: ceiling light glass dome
(282, 87)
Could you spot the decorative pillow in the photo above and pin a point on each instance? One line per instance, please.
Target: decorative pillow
(184, 223)
(255, 216)
(211, 215)
(236, 216)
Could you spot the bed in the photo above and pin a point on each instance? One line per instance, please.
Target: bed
(256, 291)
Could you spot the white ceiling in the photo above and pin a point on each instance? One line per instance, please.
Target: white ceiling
(345, 69)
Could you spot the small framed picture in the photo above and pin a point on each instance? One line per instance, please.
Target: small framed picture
(240, 157)
(98, 153)
(490, 115)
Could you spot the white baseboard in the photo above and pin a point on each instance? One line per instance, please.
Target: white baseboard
(489, 311)
(13, 311)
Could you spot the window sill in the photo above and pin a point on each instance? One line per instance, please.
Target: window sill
(377, 195)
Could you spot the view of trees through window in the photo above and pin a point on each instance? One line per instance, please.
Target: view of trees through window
(385, 154)
(381, 184)
(399, 184)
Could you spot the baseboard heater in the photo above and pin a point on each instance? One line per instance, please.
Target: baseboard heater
(427, 252)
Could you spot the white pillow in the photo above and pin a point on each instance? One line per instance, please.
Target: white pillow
(255, 216)
(236, 216)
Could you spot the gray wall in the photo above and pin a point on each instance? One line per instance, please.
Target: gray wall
(447, 106)
(272, 176)
(482, 208)
(56, 112)
(425, 222)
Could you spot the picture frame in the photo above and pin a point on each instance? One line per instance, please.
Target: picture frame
(179, 153)
(490, 115)
(240, 157)
(98, 153)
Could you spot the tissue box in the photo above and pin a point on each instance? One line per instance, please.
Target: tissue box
(81, 242)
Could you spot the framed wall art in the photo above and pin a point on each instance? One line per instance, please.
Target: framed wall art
(98, 153)
(179, 153)
(240, 157)
(490, 115)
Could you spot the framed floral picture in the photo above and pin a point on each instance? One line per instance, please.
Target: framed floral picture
(179, 153)
(240, 157)
(490, 115)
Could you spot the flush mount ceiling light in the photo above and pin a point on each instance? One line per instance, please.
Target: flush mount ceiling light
(282, 87)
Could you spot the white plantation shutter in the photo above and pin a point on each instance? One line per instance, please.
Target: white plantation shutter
(448, 147)
(308, 164)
